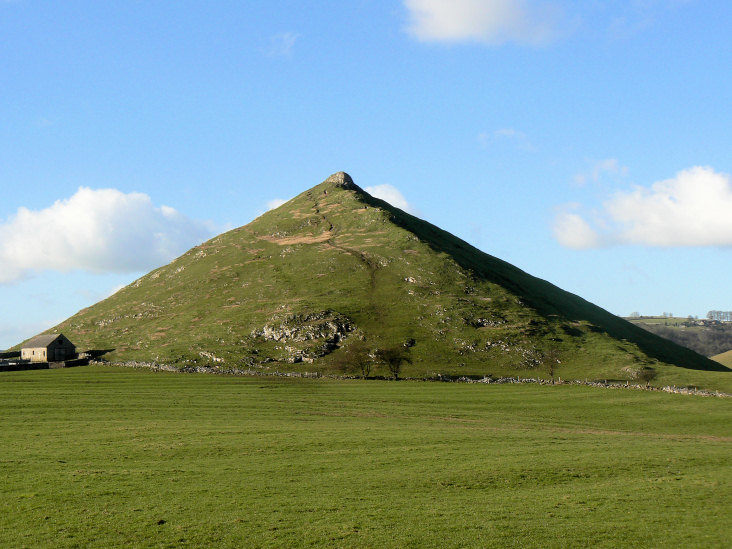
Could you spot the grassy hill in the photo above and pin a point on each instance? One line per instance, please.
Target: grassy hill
(724, 358)
(334, 276)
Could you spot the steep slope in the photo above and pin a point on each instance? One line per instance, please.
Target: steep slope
(335, 270)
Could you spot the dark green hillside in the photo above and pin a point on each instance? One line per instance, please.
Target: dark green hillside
(334, 276)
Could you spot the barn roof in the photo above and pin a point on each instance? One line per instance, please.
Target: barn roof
(41, 341)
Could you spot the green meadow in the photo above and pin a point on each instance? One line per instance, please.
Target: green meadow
(111, 457)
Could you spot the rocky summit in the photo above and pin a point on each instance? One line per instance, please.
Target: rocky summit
(337, 281)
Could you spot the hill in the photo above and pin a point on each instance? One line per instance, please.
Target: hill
(335, 277)
(724, 358)
(707, 338)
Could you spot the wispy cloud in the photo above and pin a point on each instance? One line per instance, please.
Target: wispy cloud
(691, 209)
(280, 45)
(600, 168)
(42, 122)
(491, 22)
(98, 230)
(638, 15)
(510, 135)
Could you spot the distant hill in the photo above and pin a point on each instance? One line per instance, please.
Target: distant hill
(336, 277)
(704, 337)
(724, 358)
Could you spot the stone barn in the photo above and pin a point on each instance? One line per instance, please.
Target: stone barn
(48, 348)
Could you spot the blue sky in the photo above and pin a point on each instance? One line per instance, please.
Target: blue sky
(588, 142)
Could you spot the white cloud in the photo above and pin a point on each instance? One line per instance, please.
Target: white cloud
(392, 195)
(574, 232)
(102, 230)
(488, 21)
(275, 203)
(281, 44)
(691, 209)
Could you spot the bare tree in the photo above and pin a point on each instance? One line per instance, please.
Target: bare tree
(551, 361)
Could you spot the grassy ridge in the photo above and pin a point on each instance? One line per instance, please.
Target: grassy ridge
(117, 458)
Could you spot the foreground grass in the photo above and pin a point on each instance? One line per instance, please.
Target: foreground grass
(110, 457)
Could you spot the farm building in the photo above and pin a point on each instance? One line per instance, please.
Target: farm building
(48, 348)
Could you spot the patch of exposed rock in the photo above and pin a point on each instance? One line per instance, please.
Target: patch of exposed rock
(318, 333)
(343, 180)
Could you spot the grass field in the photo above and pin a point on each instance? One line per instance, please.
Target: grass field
(105, 457)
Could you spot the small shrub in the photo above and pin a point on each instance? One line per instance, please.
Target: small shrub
(393, 358)
(647, 374)
(354, 358)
